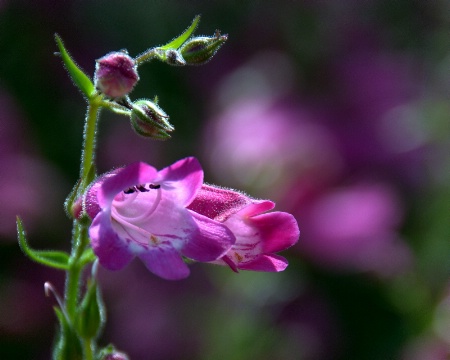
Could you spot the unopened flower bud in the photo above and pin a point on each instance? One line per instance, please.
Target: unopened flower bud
(149, 120)
(116, 74)
(199, 50)
(173, 57)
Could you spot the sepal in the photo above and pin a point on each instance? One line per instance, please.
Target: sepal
(68, 345)
(91, 314)
(81, 80)
(51, 258)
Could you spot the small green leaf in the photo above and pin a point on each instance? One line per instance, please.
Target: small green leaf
(87, 257)
(78, 76)
(68, 345)
(91, 314)
(55, 259)
(177, 42)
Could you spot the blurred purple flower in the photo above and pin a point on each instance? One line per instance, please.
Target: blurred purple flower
(426, 348)
(310, 326)
(122, 146)
(374, 116)
(28, 183)
(151, 316)
(355, 228)
(27, 180)
(143, 213)
(267, 145)
(258, 234)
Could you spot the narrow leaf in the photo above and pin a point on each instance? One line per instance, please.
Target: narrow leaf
(177, 42)
(55, 259)
(68, 345)
(78, 76)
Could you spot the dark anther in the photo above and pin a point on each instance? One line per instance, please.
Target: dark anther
(129, 190)
(141, 188)
(153, 186)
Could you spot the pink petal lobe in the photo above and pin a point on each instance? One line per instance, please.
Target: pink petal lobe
(212, 240)
(269, 263)
(257, 207)
(277, 230)
(112, 251)
(165, 262)
(134, 174)
(187, 174)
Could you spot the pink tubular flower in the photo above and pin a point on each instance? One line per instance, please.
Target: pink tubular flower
(141, 212)
(258, 234)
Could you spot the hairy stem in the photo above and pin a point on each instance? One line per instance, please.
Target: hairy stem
(90, 130)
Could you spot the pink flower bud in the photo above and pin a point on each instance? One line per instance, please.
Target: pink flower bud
(116, 74)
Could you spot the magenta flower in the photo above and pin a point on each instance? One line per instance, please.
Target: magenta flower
(141, 212)
(258, 234)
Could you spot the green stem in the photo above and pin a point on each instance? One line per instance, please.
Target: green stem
(88, 353)
(80, 239)
(148, 55)
(74, 272)
(90, 129)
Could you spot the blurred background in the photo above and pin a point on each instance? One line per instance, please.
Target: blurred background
(336, 110)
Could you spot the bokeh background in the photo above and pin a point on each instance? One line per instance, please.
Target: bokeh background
(336, 110)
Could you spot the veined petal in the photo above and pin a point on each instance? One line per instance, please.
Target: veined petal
(187, 175)
(218, 203)
(165, 262)
(112, 251)
(211, 241)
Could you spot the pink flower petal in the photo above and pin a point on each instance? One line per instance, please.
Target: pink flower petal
(211, 242)
(165, 262)
(188, 176)
(270, 263)
(258, 234)
(277, 230)
(218, 203)
(134, 174)
(113, 252)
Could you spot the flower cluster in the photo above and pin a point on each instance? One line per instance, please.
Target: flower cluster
(163, 216)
